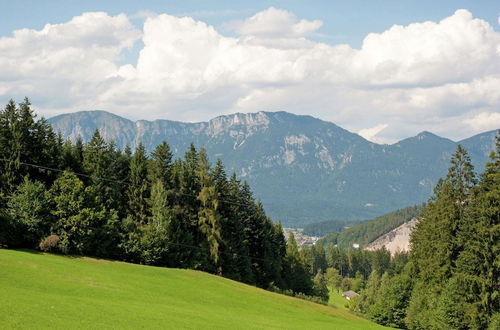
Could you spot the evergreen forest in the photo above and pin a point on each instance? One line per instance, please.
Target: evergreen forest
(450, 277)
(96, 200)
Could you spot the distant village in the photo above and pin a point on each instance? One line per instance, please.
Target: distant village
(301, 238)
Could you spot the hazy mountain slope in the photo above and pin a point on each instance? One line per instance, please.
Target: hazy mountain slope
(480, 146)
(304, 169)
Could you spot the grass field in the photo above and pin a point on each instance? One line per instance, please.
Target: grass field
(49, 291)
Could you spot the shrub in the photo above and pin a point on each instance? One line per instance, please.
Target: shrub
(49, 243)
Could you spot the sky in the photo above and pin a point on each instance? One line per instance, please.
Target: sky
(383, 69)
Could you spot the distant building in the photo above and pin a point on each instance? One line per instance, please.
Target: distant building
(349, 294)
(355, 245)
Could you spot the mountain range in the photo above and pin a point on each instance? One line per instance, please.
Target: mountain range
(302, 168)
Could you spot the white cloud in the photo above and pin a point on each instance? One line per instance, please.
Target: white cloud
(274, 22)
(371, 133)
(484, 121)
(63, 63)
(456, 49)
(433, 76)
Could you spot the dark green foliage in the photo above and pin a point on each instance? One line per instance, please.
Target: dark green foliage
(478, 265)
(320, 286)
(160, 165)
(101, 163)
(100, 201)
(297, 276)
(209, 219)
(30, 206)
(451, 278)
(83, 226)
(24, 139)
(10, 233)
(327, 227)
(333, 278)
(138, 192)
(392, 301)
(368, 231)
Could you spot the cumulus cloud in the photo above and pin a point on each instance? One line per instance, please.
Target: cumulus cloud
(63, 63)
(433, 76)
(274, 22)
(484, 121)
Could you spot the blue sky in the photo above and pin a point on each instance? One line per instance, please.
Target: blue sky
(344, 21)
(385, 69)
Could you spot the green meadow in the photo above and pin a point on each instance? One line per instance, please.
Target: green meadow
(40, 290)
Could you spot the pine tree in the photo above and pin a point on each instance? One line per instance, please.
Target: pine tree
(320, 288)
(138, 190)
(235, 262)
(298, 278)
(392, 303)
(156, 234)
(23, 139)
(435, 242)
(97, 163)
(160, 166)
(478, 265)
(209, 219)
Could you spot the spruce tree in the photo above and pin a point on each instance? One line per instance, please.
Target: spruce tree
(97, 163)
(235, 262)
(156, 235)
(478, 265)
(138, 190)
(160, 165)
(435, 242)
(298, 278)
(209, 219)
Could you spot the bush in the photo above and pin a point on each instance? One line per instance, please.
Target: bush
(495, 322)
(49, 243)
(299, 295)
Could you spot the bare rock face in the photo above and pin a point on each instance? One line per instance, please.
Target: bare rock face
(397, 240)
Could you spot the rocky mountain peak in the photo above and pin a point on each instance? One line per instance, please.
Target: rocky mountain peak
(302, 168)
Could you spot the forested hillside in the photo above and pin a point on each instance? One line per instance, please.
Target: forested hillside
(368, 231)
(450, 278)
(327, 227)
(96, 200)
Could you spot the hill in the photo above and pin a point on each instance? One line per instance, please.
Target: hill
(49, 291)
(327, 227)
(302, 168)
(369, 231)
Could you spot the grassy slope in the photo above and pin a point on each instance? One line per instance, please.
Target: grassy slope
(43, 290)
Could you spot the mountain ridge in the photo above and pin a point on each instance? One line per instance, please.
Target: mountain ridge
(303, 168)
(238, 114)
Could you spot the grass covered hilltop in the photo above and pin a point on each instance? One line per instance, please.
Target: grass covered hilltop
(49, 291)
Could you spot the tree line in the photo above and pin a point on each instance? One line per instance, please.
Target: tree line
(450, 278)
(94, 199)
